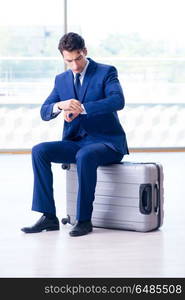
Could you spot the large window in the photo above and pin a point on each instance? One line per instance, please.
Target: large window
(144, 39)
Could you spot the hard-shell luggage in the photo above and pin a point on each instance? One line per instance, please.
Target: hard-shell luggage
(129, 195)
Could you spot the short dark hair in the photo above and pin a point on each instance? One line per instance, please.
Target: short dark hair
(71, 41)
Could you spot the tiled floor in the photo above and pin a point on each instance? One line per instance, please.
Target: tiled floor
(105, 252)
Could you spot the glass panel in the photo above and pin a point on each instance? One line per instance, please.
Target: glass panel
(29, 61)
(143, 39)
(29, 58)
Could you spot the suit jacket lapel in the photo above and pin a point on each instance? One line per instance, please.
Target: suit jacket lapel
(88, 75)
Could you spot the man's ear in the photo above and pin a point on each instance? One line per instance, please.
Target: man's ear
(85, 51)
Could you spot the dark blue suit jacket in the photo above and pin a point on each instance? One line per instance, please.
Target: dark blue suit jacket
(102, 97)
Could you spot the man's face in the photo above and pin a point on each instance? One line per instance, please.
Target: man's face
(75, 60)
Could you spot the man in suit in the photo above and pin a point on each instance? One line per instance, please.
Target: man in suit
(89, 94)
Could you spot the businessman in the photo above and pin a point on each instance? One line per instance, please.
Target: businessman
(89, 95)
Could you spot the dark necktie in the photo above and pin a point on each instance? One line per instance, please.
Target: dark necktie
(77, 85)
(81, 132)
(77, 88)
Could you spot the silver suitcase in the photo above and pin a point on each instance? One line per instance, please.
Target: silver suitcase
(128, 196)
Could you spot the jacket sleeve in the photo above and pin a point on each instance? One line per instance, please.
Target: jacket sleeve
(114, 98)
(46, 110)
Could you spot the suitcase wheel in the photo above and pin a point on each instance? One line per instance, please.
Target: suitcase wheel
(65, 220)
(65, 166)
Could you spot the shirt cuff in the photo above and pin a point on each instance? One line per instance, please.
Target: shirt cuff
(83, 112)
(56, 110)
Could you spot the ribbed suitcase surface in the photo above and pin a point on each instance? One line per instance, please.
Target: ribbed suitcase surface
(128, 196)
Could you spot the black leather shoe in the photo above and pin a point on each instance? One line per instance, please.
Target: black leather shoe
(81, 228)
(43, 223)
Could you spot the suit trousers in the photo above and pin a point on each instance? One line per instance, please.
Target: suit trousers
(87, 155)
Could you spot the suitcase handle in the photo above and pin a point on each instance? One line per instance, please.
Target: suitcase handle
(156, 204)
(145, 197)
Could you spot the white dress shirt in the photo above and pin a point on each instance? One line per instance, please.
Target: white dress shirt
(56, 110)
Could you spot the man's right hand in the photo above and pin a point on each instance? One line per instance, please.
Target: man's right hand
(71, 105)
